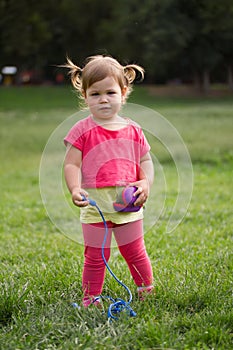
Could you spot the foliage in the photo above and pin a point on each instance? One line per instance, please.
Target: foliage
(171, 38)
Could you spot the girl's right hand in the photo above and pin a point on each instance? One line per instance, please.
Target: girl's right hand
(78, 199)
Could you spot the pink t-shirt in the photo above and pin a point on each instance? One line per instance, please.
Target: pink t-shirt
(109, 157)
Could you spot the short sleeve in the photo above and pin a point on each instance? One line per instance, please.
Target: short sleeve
(75, 136)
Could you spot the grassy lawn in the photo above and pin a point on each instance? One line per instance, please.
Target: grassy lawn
(41, 269)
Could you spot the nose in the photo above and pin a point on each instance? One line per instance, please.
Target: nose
(103, 98)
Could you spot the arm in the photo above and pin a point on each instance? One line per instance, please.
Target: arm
(146, 179)
(73, 176)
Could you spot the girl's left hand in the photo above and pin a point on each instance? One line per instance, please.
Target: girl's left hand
(142, 191)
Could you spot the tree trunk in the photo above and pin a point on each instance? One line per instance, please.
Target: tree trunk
(206, 81)
(197, 81)
(230, 77)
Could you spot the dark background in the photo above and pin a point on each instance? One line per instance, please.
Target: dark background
(177, 41)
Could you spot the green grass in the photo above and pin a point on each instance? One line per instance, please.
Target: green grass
(41, 269)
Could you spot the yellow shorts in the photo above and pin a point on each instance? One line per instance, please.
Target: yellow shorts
(104, 198)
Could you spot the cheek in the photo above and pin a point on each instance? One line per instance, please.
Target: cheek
(89, 101)
(92, 104)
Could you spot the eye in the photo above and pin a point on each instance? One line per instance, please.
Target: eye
(111, 92)
(94, 94)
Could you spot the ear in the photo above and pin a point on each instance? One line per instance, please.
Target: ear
(124, 92)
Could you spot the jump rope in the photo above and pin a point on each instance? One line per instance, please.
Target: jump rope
(124, 202)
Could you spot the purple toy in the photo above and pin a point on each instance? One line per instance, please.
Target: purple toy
(125, 200)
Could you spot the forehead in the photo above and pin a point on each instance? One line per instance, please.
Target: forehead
(105, 84)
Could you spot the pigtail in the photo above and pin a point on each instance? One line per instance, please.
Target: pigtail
(130, 72)
(99, 67)
(75, 73)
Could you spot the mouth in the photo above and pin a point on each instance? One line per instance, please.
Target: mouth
(102, 108)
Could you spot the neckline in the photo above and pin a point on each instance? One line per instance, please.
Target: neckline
(124, 123)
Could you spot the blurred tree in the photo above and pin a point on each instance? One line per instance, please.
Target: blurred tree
(171, 38)
(166, 34)
(121, 32)
(74, 26)
(145, 33)
(200, 52)
(218, 18)
(24, 32)
(188, 39)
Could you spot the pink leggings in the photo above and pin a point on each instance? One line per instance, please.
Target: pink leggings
(130, 241)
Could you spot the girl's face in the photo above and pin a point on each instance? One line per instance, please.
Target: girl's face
(104, 99)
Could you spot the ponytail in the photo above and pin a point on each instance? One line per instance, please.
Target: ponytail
(130, 72)
(75, 74)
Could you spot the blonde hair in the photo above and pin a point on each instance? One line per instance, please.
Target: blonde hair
(98, 68)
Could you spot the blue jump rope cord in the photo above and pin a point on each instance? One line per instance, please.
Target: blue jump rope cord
(118, 304)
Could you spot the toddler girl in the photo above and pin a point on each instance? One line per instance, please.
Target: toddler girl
(106, 153)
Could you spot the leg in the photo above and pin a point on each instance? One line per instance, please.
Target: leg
(94, 267)
(135, 253)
